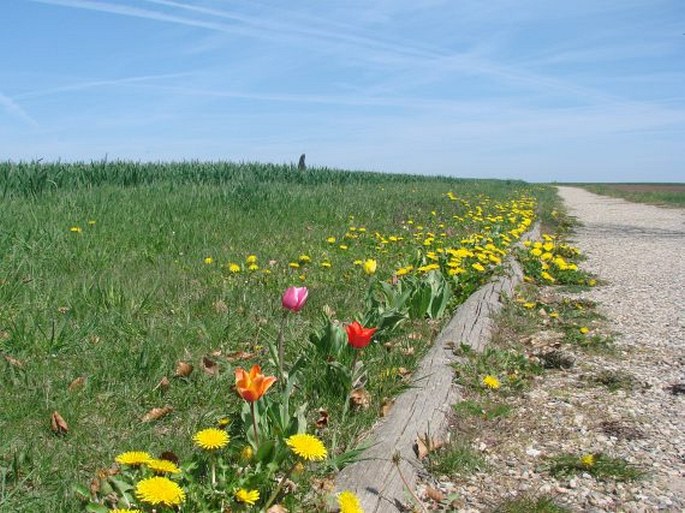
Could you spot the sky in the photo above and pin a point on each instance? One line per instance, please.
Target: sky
(541, 90)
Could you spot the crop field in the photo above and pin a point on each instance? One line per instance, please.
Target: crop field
(132, 295)
(665, 194)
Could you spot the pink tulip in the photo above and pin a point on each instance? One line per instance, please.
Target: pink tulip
(294, 298)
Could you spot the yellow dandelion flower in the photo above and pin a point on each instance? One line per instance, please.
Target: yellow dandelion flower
(584, 330)
(133, 458)
(294, 265)
(348, 502)
(529, 305)
(124, 510)
(587, 460)
(91, 222)
(233, 267)
(247, 496)
(160, 491)
(343, 247)
(247, 453)
(369, 266)
(357, 262)
(253, 267)
(211, 438)
(251, 259)
(223, 422)
(326, 265)
(546, 276)
(331, 240)
(75, 229)
(478, 267)
(209, 260)
(554, 315)
(491, 382)
(163, 466)
(592, 282)
(307, 447)
(305, 259)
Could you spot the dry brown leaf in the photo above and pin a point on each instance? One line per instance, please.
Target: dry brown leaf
(435, 494)
(163, 384)
(94, 486)
(414, 336)
(77, 383)
(360, 399)
(156, 413)
(276, 508)
(183, 369)
(322, 421)
(407, 351)
(425, 445)
(13, 361)
(324, 484)
(239, 355)
(209, 366)
(220, 307)
(58, 424)
(389, 346)
(386, 405)
(403, 372)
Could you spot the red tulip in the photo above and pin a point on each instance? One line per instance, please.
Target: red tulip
(294, 298)
(358, 336)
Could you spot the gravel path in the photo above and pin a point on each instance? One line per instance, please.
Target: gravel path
(637, 250)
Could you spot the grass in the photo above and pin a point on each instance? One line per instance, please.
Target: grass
(654, 193)
(485, 409)
(456, 458)
(541, 504)
(597, 465)
(112, 273)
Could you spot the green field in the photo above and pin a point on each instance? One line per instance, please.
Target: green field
(664, 194)
(111, 273)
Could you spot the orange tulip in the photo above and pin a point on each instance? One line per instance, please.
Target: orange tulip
(253, 385)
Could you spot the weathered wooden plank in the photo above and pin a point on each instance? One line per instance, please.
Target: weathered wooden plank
(424, 408)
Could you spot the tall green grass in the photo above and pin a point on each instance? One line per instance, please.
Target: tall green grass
(124, 299)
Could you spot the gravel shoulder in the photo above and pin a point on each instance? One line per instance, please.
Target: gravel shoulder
(636, 250)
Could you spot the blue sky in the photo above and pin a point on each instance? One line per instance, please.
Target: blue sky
(543, 90)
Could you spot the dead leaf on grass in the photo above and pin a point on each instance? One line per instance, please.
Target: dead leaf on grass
(156, 413)
(322, 421)
(58, 424)
(407, 351)
(13, 361)
(360, 399)
(276, 508)
(163, 384)
(386, 406)
(239, 355)
(77, 384)
(209, 366)
(425, 445)
(183, 369)
(220, 307)
(435, 494)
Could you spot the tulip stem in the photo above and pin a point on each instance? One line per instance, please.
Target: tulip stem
(254, 425)
(278, 489)
(281, 348)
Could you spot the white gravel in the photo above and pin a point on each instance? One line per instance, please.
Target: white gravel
(638, 251)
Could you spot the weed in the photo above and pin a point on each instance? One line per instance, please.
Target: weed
(613, 380)
(487, 410)
(456, 458)
(541, 504)
(596, 464)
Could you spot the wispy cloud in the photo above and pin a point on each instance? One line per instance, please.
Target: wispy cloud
(16, 111)
(92, 84)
